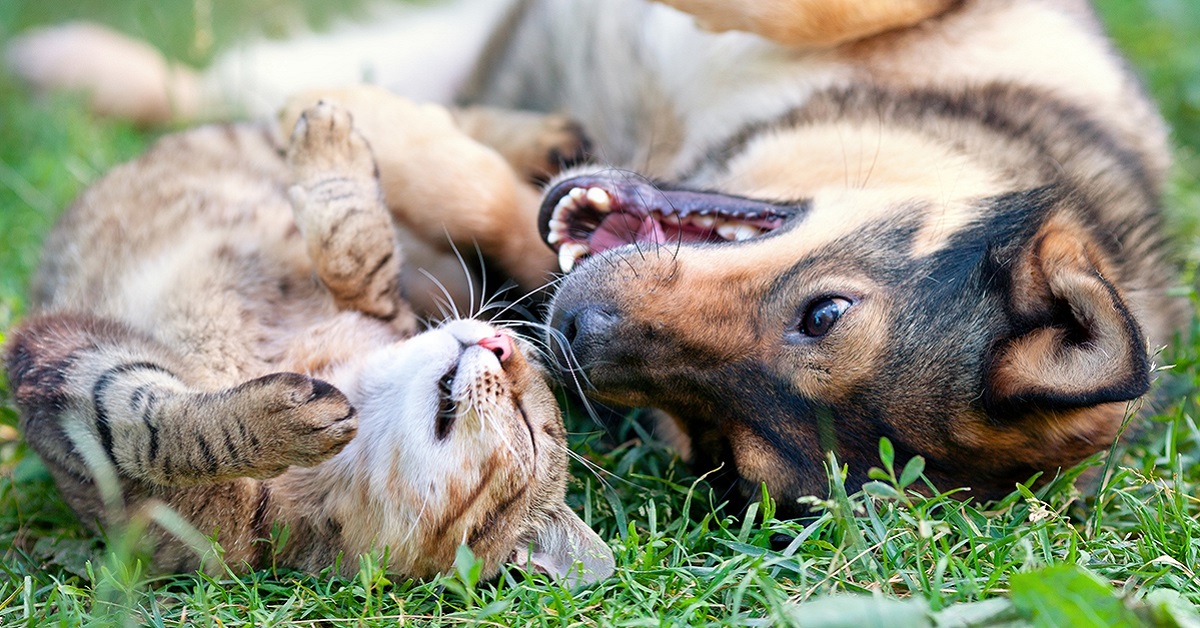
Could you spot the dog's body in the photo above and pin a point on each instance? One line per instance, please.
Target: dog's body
(973, 191)
(973, 200)
(938, 222)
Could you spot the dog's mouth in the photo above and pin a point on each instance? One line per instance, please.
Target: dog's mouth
(587, 215)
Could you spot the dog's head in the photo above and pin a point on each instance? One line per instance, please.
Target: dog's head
(985, 332)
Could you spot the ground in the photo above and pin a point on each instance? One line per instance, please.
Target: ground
(1123, 552)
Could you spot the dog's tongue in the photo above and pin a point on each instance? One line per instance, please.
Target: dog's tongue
(620, 229)
(651, 231)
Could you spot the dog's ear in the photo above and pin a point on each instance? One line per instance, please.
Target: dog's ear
(1076, 343)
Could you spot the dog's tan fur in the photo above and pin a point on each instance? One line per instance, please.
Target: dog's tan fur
(977, 181)
(811, 23)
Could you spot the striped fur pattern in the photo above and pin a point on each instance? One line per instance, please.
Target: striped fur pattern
(219, 327)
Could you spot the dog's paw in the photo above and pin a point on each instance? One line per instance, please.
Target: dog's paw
(549, 145)
(303, 420)
(559, 143)
(537, 146)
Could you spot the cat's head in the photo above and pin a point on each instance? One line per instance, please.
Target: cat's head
(461, 441)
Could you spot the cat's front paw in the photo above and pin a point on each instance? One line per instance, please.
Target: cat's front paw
(339, 208)
(325, 145)
(303, 421)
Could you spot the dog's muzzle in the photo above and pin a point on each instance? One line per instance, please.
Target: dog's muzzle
(583, 330)
(587, 215)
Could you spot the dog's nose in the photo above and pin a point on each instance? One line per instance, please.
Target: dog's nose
(585, 329)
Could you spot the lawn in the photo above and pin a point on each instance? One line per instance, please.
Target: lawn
(1123, 552)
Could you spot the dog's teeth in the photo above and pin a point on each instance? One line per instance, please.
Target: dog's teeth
(569, 253)
(599, 199)
(578, 194)
(558, 230)
(704, 222)
(737, 231)
(563, 208)
(745, 232)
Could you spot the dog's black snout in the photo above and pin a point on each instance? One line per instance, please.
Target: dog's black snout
(584, 330)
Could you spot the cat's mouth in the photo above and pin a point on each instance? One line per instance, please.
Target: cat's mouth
(447, 412)
(482, 383)
(587, 215)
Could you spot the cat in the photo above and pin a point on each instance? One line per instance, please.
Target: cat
(251, 363)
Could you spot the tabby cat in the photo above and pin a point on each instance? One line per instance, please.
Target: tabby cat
(249, 362)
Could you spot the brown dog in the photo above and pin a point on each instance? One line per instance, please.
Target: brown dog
(932, 221)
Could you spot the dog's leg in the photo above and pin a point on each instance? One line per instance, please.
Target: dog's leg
(536, 145)
(811, 23)
(404, 48)
(441, 184)
(121, 76)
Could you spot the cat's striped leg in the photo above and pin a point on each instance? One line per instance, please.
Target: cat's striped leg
(340, 209)
(92, 390)
(444, 186)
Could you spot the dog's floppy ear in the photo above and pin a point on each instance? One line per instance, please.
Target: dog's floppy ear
(1076, 342)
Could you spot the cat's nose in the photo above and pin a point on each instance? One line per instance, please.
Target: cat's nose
(500, 344)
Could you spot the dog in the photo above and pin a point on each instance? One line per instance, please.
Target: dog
(812, 224)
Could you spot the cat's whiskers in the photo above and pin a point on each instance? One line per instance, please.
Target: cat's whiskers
(596, 470)
(446, 306)
(416, 521)
(505, 306)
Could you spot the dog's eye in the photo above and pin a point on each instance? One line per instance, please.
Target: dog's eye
(821, 316)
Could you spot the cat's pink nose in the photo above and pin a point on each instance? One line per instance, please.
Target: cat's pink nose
(500, 344)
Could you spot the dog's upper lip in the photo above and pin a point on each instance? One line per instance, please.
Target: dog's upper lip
(590, 214)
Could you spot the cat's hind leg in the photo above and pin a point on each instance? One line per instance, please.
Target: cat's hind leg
(340, 210)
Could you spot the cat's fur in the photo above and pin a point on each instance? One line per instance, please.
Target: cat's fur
(197, 340)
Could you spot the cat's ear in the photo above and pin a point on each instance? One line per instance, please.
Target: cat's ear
(565, 548)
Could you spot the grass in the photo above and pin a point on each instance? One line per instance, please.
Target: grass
(1124, 552)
